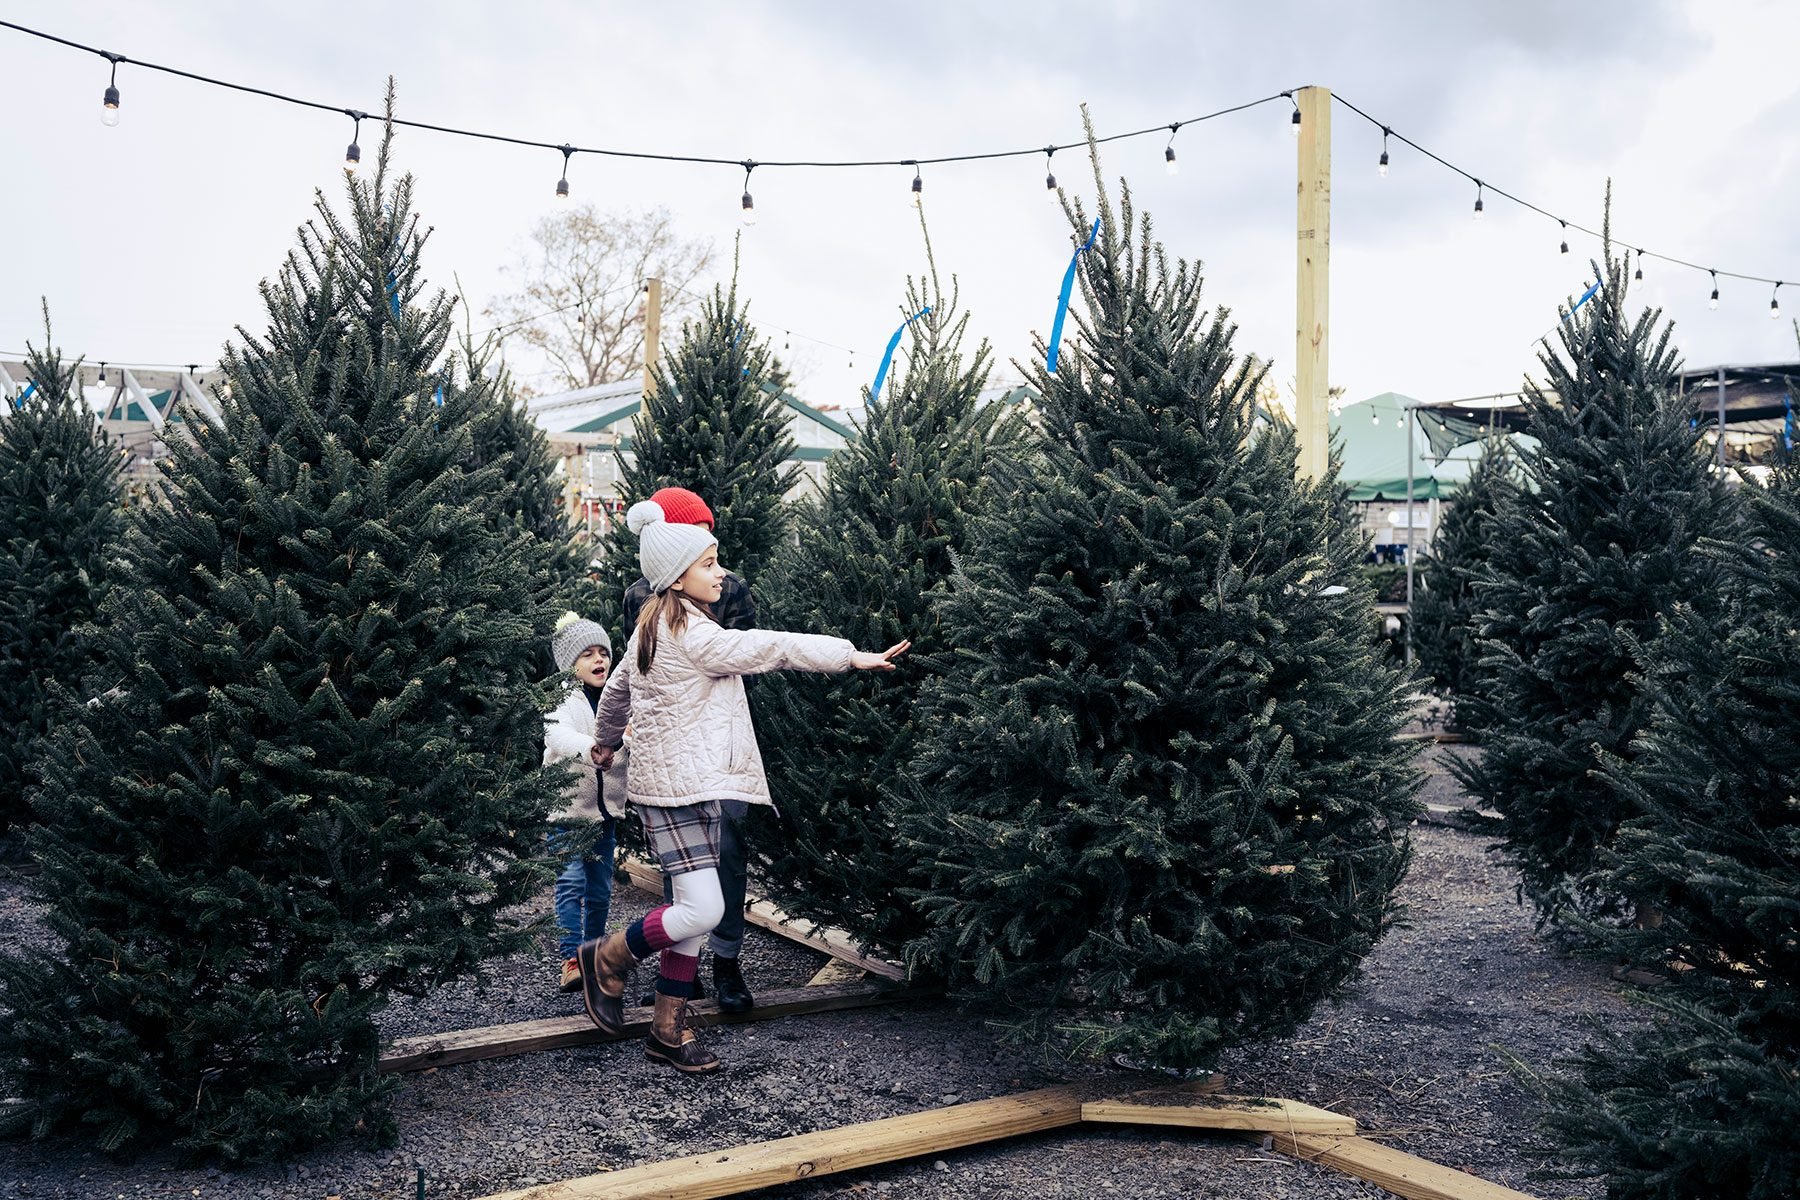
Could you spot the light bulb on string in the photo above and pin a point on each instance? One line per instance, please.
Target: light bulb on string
(1775, 302)
(102, 374)
(1638, 275)
(353, 154)
(1713, 301)
(1169, 163)
(1381, 167)
(1565, 237)
(1294, 124)
(1478, 204)
(748, 203)
(562, 185)
(918, 188)
(1049, 174)
(109, 100)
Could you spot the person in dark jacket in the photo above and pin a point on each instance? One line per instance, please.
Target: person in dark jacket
(734, 609)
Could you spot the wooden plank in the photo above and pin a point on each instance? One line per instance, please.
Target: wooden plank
(1219, 1112)
(764, 1164)
(809, 1155)
(1400, 1173)
(835, 971)
(1438, 736)
(765, 915)
(555, 1033)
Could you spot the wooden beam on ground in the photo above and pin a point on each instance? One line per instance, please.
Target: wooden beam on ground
(555, 1033)
(1441, 737)
(765, 915)
(1218, 1112)
(741, 1169)
(1400, 1173)
(835, 971)
(809, 1155)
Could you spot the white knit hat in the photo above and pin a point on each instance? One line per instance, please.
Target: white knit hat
(665, 551)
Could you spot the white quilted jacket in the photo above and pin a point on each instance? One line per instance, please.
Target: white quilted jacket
(691, 736)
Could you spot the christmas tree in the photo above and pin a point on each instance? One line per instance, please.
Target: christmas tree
(1158, 799)
(874, 551)
(1705, 1101)
(308, 774)
(1600, 541)
(1444, 612)
(715, 423)
(59, 519)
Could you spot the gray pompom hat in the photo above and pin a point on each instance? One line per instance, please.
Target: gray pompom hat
(665, 550)
(573, 635)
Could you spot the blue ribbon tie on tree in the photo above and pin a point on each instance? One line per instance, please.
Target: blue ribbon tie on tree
(25, 394)
(1062, 300)
(888, 357)
(1585, 297)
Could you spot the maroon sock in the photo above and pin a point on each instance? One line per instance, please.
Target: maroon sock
(676, 974)
(645, 935)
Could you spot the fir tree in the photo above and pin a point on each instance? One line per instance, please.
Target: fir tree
(716, 424)
(59, 520)
(309, 774)
(1444, 614)
(1705, 1101)
(1599, 541)
(873, 553)
(527, 500)
(1158, 797)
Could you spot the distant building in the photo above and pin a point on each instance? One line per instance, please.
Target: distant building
(587, 426)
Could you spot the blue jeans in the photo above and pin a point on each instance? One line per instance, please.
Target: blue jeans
(584, 888)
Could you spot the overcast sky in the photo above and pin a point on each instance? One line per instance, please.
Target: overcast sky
(149, 239)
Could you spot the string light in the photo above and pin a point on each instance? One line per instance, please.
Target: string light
(1713, 302)
(353, 155)
(1049, 174)
(102, 374)
(1481, 186)
(111, 112)
(918, 188)
(1565, 240)
(562, 185)
(749, 204)
(109, 100)
(1775, 302)
(1169, 163)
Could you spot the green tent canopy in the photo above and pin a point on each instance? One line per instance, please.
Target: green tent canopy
(1371, 436)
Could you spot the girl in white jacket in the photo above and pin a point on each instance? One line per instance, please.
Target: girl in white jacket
(679, 686)
(583, 835)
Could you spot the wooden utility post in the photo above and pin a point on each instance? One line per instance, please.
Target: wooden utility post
(652, 329)
(1312, 294)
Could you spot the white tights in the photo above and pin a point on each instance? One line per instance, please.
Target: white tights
(698, 907)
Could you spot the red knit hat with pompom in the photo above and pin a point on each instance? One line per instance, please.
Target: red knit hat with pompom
(682, 507)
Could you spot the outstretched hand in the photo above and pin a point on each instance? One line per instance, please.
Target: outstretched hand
(868, 660)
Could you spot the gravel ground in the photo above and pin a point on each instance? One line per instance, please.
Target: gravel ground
(1415, 1056)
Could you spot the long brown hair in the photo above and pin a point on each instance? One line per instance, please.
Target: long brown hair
(649, 622)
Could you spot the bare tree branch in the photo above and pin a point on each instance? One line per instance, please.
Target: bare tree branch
(577, 307)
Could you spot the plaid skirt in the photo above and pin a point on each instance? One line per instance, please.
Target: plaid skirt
(685, 837)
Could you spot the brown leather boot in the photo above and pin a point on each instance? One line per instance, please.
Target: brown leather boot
(605, 964)
(672, 1043)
